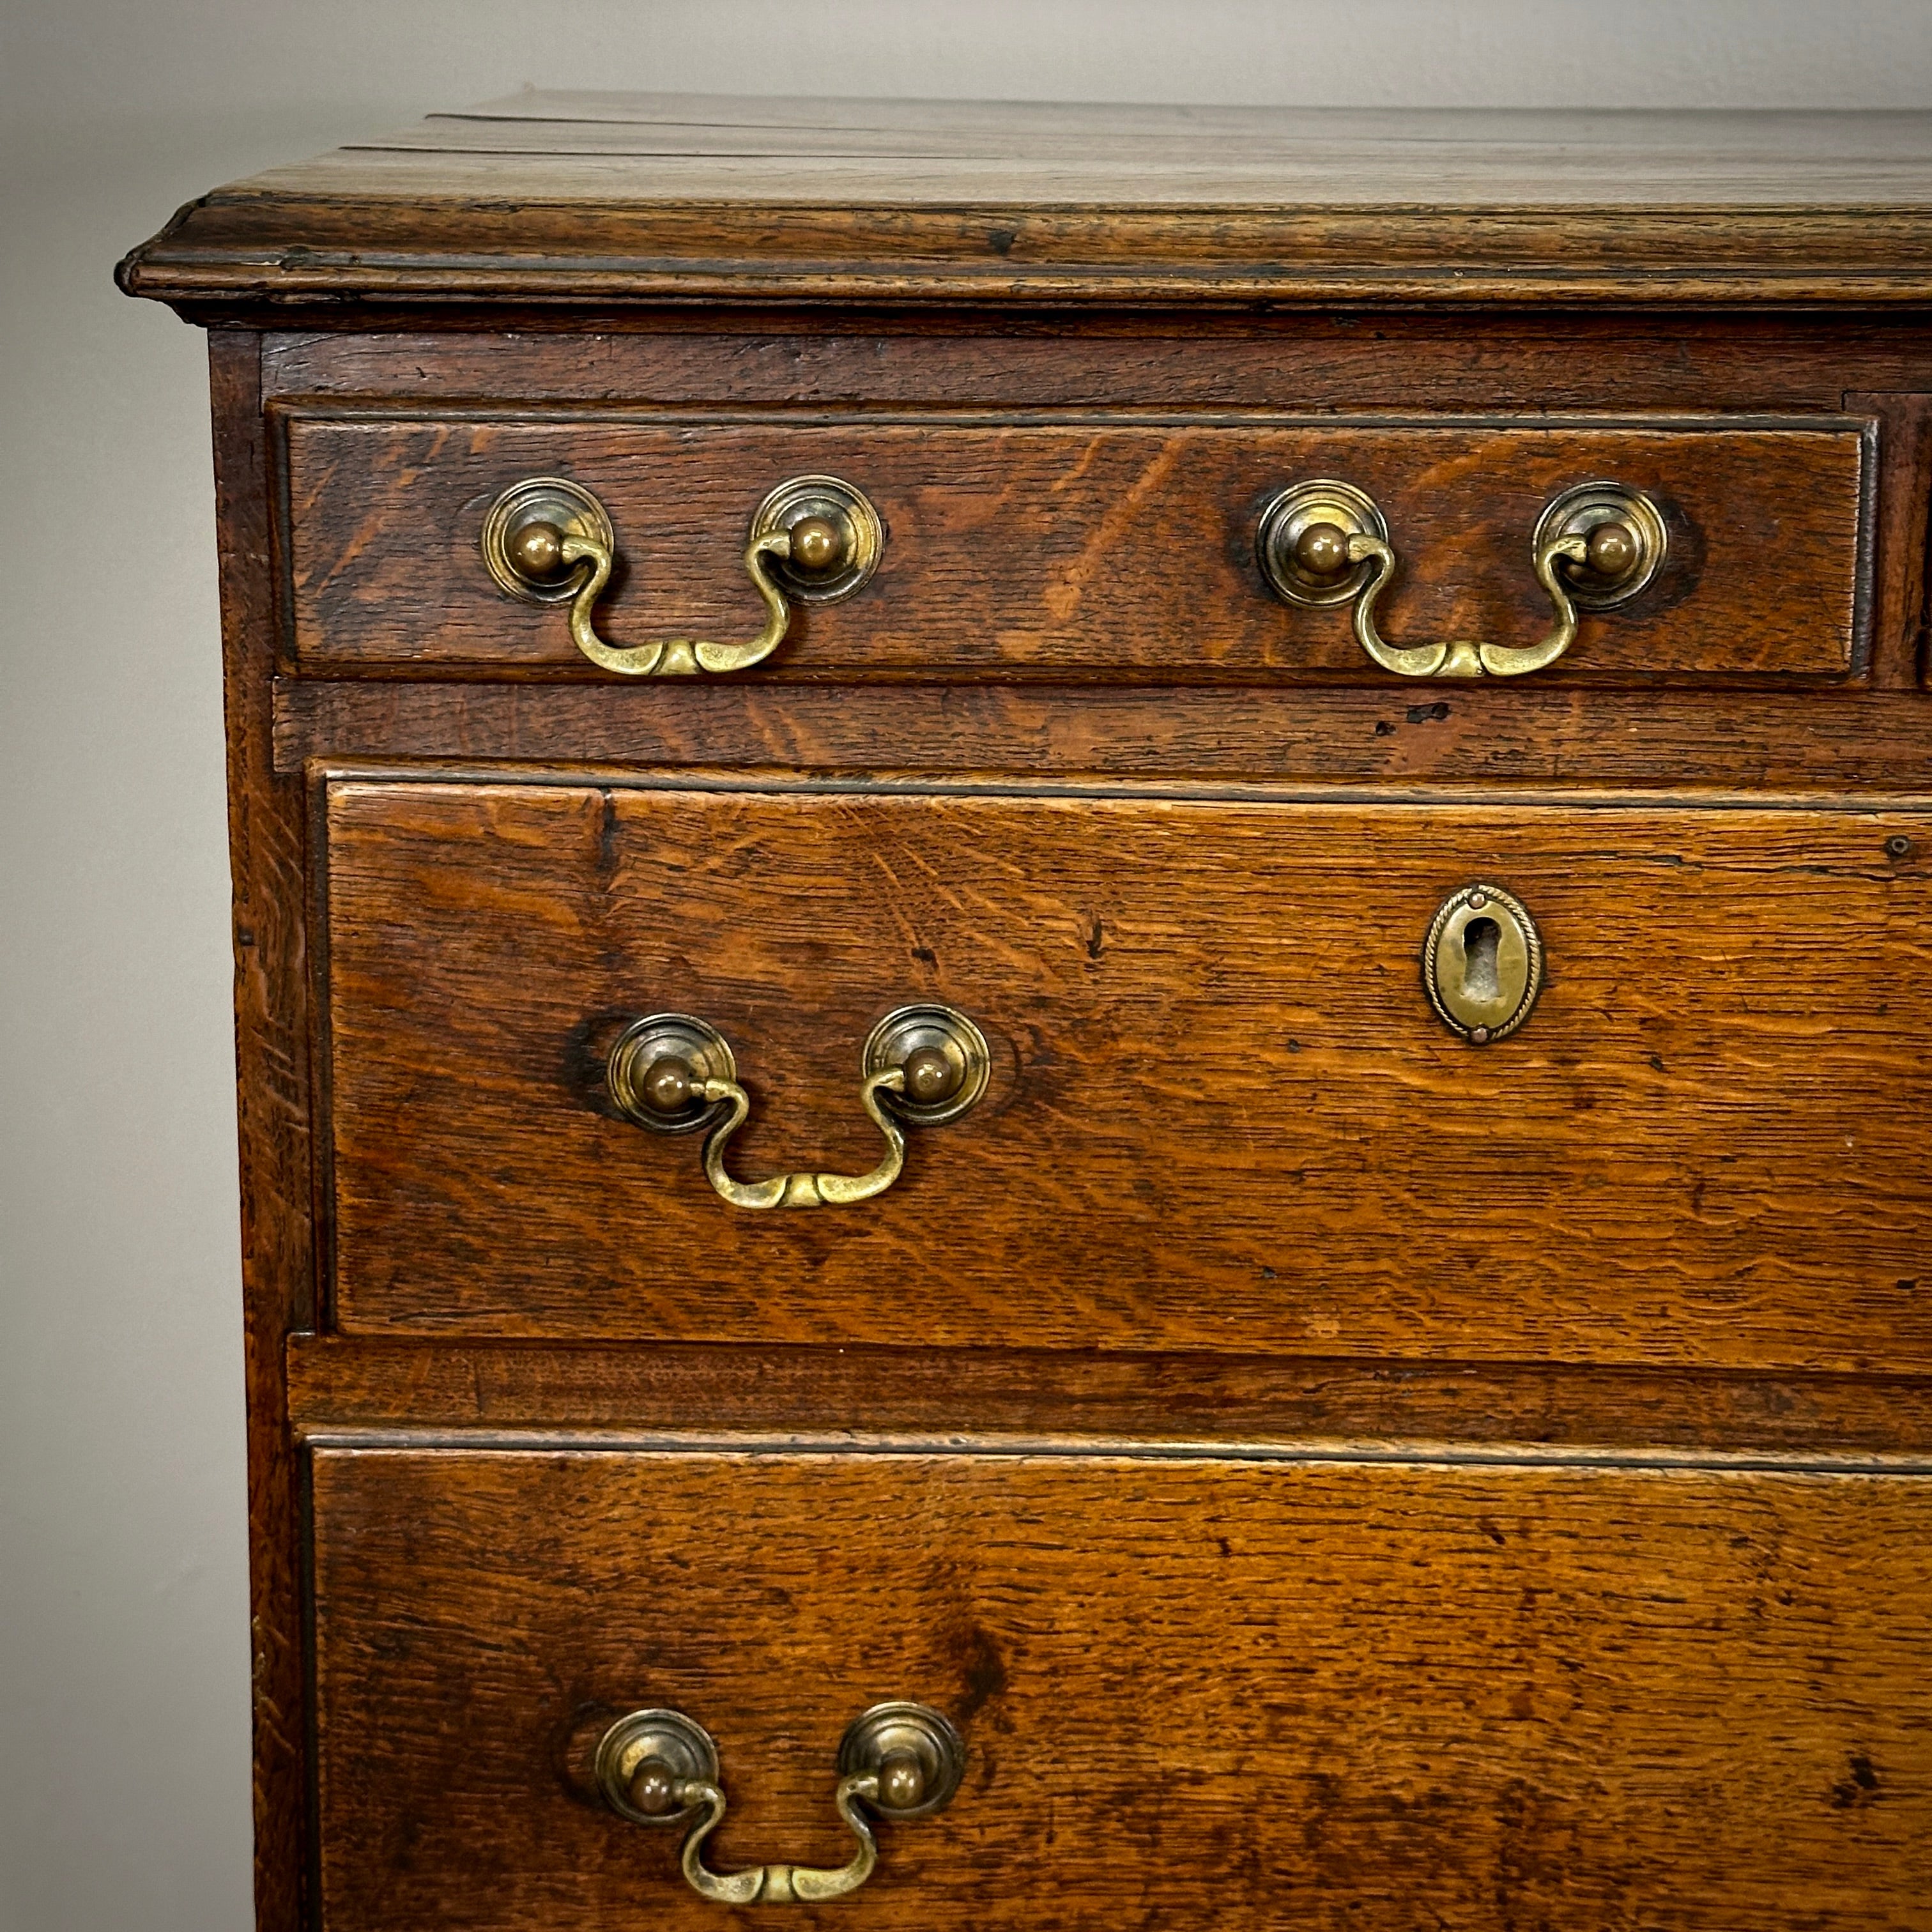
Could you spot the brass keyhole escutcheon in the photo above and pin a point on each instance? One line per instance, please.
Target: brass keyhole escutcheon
(1482, 964)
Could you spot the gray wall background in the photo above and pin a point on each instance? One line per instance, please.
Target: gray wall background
(123, 1638)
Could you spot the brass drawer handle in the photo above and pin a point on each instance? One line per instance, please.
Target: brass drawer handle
(1594, 547)
(814, 539)
(903, 1761)
(676, 1074)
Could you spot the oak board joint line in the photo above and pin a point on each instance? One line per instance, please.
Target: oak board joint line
(1560, 797)
(402, 411)
(443, 1438)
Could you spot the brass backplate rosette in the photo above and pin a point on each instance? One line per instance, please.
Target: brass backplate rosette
(1581, 509)
(907, 1030)
(569, 507)
(911, 1730)
(1299, 509)
(842, 505)
(683, 1746)
(700, 1045)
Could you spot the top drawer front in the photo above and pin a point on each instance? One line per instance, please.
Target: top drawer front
(1084, 548)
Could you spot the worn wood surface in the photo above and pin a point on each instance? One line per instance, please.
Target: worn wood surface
(1770, 361)
(1568, 740)
(1323, 156)
(1221, 1115)
(1227, 1694)
(867, 1397)
(1042, 203)
(1898, 495)
(269, 856)
(1058, 548)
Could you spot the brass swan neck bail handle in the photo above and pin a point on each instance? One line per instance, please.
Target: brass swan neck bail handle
(921, 1066)
(901, 1760)
(1594, 547)
(814, 539)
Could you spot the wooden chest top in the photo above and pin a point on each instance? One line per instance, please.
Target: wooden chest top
(589, 197)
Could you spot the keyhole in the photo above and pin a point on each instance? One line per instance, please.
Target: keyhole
(1480, 938)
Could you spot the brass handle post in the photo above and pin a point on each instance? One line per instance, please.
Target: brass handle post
(902, 1761)
(921, 1066)
(814, 539)
(1595, 546)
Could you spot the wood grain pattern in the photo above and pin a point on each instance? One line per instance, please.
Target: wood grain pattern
(1770, 361)
(268, 845)
(1058, 548)
(1494, 738)
(1901, 485)
(1054, 205)
(867, 1398)
(1210, 1692)
(264, 260)
(1322, 155)
(1221, 1116)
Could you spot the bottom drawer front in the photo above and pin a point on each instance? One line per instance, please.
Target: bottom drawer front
(1221, 1694)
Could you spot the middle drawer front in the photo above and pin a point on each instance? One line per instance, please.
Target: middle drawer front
(1220, 1112)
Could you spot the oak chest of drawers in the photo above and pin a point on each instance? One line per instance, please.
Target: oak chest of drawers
(1082, 966)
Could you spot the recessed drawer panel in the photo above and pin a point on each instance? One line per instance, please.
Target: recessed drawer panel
(1222, 1694)
(1104, 547)
(1214, 1104)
